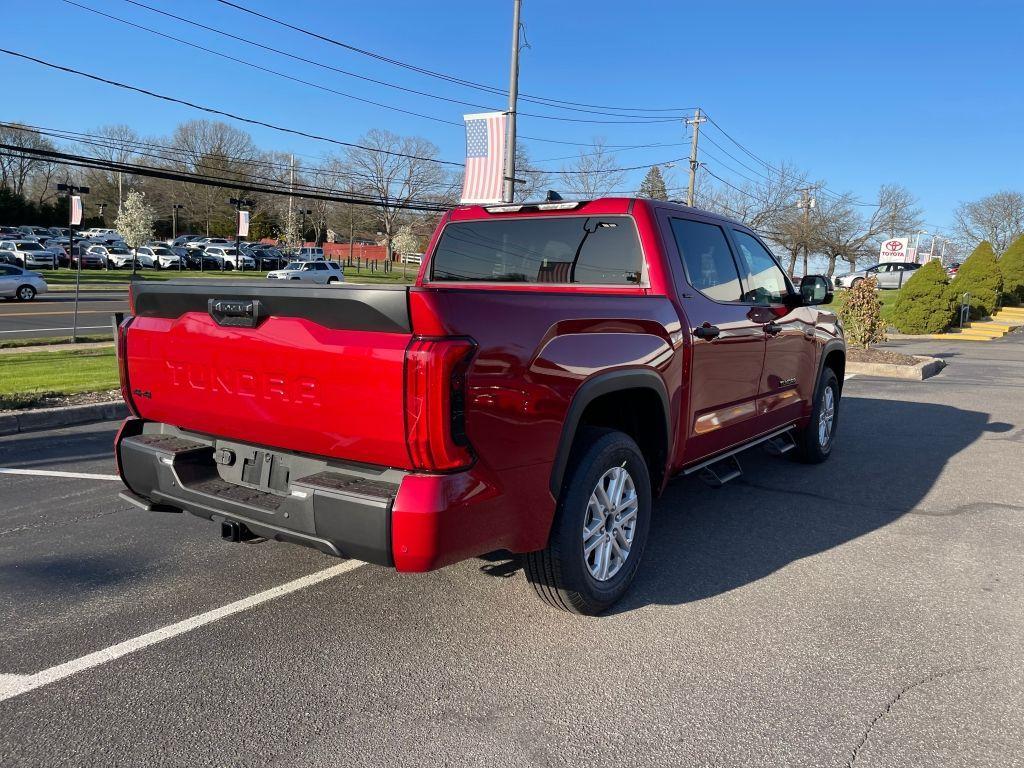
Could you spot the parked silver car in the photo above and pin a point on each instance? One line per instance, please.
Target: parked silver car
(20, 284)
(320, 272)
(890, 275)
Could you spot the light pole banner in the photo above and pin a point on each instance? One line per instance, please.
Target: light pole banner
(76, 211)
(243, 223)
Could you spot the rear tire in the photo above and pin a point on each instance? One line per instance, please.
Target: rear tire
(592, 556)
(25, 293)
(815, 441)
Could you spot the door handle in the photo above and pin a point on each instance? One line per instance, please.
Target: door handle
(707, 332)
(772, 328)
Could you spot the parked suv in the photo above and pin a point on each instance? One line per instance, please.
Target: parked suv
(28, 254)
(890, 275)
(553, 367)
(322, 272)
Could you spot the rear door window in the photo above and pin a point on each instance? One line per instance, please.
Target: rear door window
(589, 250)
(707, 258)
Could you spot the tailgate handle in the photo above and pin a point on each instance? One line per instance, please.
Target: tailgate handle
(238, 313)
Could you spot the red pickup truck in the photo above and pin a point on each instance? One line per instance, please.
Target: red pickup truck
(553, 367)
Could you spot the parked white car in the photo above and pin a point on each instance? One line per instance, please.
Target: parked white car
(309, 254)
(161, 256)
(119, 256)
(20, 284)
(27, 253)
(320, 272)
(231, 257)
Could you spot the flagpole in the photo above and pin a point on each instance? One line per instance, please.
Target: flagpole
(513, 93)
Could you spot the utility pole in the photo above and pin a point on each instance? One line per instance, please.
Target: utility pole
(72, 190)
(513, 95)
(291, 188)
(806, 202)
(695, 121)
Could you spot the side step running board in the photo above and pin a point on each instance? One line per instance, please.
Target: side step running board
(721, 472)
(720, 469)
(780, 444)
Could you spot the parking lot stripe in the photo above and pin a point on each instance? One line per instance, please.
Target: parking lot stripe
(15, 685)
(81, 328)
(57, 473)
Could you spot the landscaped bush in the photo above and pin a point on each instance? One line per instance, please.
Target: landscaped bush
(861, 313)
(980, 277)
(925, 304)
(1012, 266)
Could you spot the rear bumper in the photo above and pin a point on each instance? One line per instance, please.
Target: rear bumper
(413, 522)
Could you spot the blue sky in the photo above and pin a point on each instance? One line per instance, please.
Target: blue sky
(924, 94)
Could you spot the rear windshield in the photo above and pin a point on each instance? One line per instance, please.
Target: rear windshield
(592, 250)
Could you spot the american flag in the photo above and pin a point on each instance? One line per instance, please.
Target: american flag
(485, 158)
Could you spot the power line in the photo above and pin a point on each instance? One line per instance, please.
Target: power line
(64, 158)
(376, 81)
(441, 75)
(320, 86)
(222, 113)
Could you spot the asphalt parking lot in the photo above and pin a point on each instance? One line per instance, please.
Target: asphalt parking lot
(52, 314)
(868, 612)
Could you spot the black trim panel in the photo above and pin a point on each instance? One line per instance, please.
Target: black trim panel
(382, 308)
(590, 390)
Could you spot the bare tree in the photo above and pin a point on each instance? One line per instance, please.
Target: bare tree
(17, 168)
(535, 181)
(593, 174)
(396, 170)
(844, 231)
(114, 144)
(998, 218)
(214, 149)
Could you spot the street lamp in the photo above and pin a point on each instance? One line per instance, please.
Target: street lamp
(74, 219)
(238, 202)
(174, 219)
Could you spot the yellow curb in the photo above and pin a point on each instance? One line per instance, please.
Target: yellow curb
(960, 337)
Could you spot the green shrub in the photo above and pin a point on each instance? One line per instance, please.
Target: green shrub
(925, 304)
(980, 277)
(1011, 264)
(861, 313)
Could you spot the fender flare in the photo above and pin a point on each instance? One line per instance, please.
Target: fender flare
(590, 390)
(831, 346)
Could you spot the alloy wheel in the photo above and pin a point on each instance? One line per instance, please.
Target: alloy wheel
(610, 523)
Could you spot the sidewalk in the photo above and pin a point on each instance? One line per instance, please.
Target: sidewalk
(66, 347)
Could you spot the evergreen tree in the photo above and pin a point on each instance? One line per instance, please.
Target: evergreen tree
(979, 276)
(925, 303)
(653, 185)
(1012, 266)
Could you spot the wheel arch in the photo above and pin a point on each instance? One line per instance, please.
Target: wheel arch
(646, 391)
(832, 356)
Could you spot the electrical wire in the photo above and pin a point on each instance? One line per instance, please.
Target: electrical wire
(440, 75)
(627, 119)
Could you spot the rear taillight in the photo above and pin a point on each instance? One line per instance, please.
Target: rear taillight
(435, 403)
(121, 331)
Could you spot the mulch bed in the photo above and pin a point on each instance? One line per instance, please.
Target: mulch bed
(879, 356)
(57, 401)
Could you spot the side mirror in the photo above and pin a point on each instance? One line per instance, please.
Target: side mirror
(815, 289)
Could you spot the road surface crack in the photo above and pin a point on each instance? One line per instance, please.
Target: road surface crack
(892, 702)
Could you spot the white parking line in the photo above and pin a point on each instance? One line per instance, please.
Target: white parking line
(81, 328)
(57, 473)
(15, 685)
(849, 376)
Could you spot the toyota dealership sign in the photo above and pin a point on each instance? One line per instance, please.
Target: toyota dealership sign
(895, 249)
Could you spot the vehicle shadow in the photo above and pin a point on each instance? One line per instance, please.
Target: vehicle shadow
(704, 541)
(45, 449)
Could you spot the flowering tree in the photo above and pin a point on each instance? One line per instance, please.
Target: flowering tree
(134, 222)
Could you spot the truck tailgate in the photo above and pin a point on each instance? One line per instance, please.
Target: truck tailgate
(313, 369)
